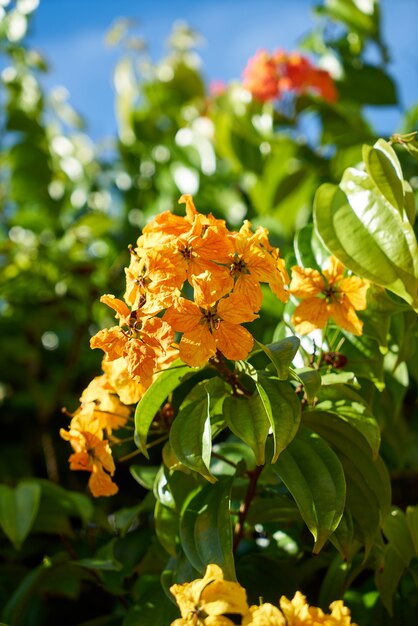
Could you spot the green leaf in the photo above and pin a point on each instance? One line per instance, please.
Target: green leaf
(191, 437)
(309, 250)
(367, 479)
(314, 476)
(206, 530)
(248, 420)
(310, 379)
(397, 533)
(350, 407)
(367, 234)
(273, 508)
(281, 354)
(166, 527)
(153, 398)
(367, 84)
(342, 378)
(348, 12)
(343, 536)
(144, 475)
(282, 408)
(388, 575)
(18, 509)
(383, 167)
(412, 522)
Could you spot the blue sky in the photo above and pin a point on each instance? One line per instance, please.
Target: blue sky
(70, 33)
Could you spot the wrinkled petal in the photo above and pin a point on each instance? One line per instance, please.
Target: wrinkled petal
(183, 316)
(249, 289)
(211, 286)
(264, 615)
(345, 317)
(309, 315)
(197, 346)
(128, 390)
(100, 483)
(235, 342)
(333, 270)
(111, 340)
(355, 289)
(306, 282)
(122, 311)
(236, 309)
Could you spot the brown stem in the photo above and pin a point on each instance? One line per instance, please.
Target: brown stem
(245, 506)
(216, 455)
(231, 378)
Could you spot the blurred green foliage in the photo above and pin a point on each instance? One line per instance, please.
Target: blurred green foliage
(69, 209)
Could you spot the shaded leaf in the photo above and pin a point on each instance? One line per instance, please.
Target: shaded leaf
(206, 530)
(152, 399)
(314, 476)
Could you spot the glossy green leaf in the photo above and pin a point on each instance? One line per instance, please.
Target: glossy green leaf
(191, 436)
(343, 536)
(367, 234)
(281, 354)
(144, 475)
(18, 509)
(367, 479)
(383, 167)
(282, 407)
(248, 420)
(350, 406)
(152, 399)
(310, 379)
(309, 250)
(314, 476)
(339, 378)
(166, 527)
(206, 530)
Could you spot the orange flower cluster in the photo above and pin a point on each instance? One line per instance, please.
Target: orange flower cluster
(101, 412)
(268, 76)
(328, 295)
(176, 256)
(208, 601)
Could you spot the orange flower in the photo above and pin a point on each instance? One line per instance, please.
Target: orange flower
(152, 281)
(91, 453)
(255, 261)
(326, 296)
(261, 77)
(109, 410)
(140, 343)
(301, 76)
(206, 600)
(298, 613)
(268, 76)
(209, 325)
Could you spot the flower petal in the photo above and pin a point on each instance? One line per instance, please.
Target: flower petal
(183, 316)
(309, 315)
(197, 346)
(236, 309)
(306, 282)
(355, 289)
(345, 316)
(234, 341)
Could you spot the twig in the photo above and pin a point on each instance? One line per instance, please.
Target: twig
(245, 506)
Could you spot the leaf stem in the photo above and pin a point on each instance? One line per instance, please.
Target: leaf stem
(245, 506)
